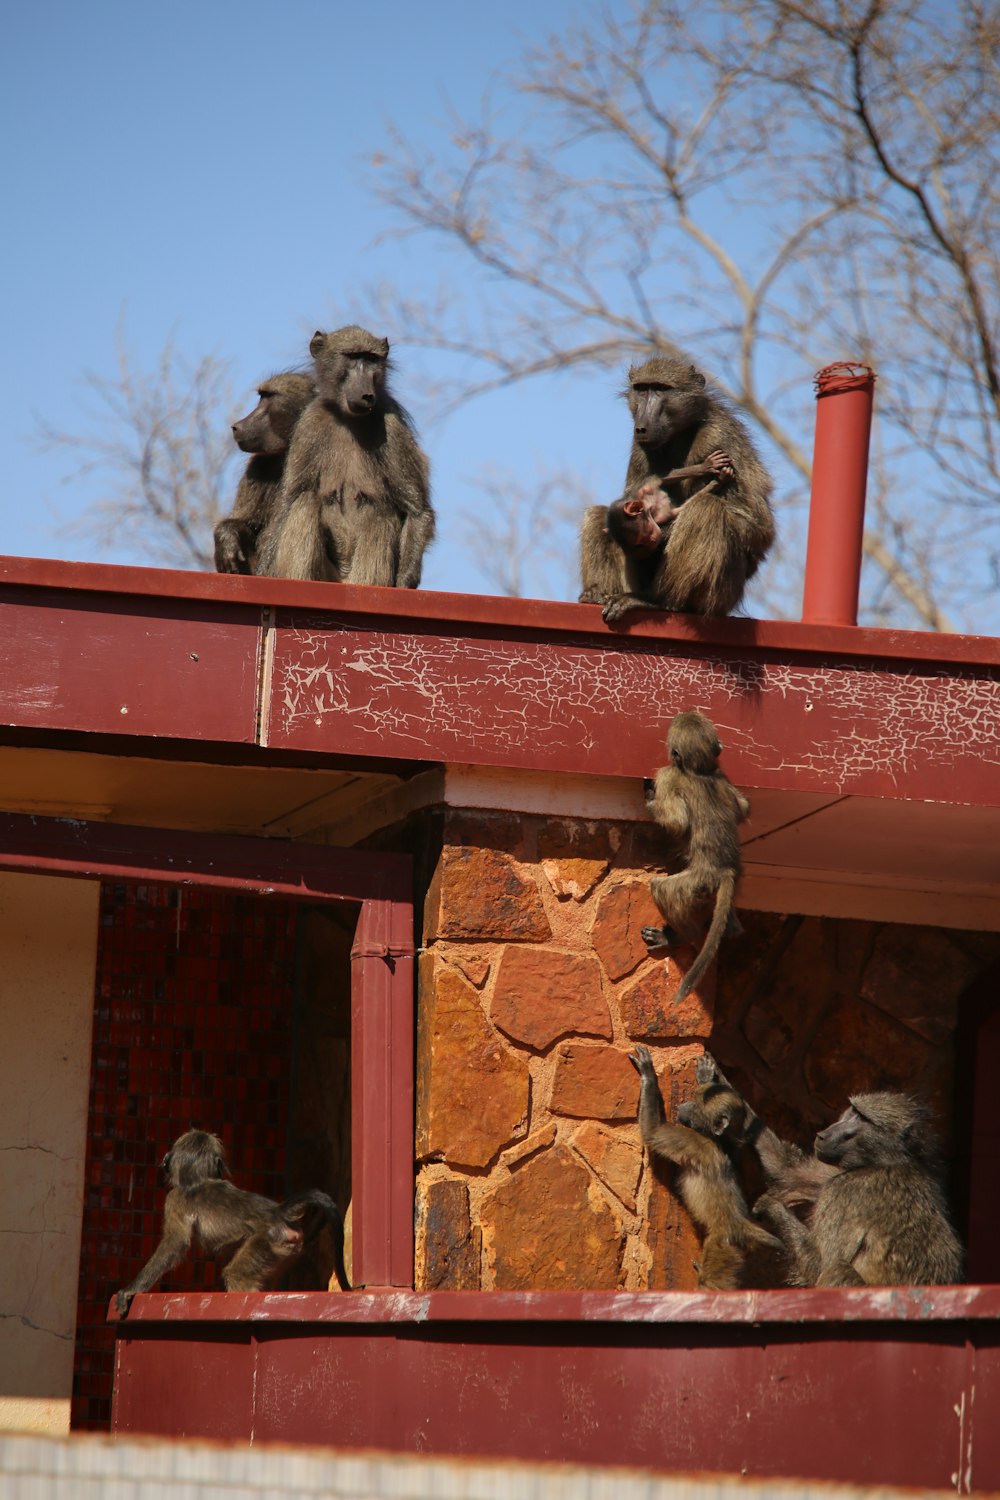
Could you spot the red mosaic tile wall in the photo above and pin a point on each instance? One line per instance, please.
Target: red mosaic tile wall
(192, 1027)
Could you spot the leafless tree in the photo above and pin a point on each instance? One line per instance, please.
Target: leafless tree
(772, 185)
(161, 441)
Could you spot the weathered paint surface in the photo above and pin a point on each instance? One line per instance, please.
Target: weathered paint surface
(812, 723)
(887, 1386)
(329, 670)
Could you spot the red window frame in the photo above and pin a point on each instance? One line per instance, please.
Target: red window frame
(382, 990)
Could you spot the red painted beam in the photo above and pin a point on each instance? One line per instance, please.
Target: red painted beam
(880, 1397)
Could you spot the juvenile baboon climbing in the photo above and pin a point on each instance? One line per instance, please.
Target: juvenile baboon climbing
(355, 503)
(255, 1239)
(700, 1146)
(697, 804)
(265, 433)
(719, 532)
(881, 1219)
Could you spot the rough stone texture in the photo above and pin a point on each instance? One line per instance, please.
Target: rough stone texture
(674, 1243)
(475, 968)
(621, 914)
(648, 1009)
(537, 1141)
(542, 993)
(615, 1160)
(917, 976)
(574, 879)
(592, 1082)
(449, 1246)
(858, 1049)
(568, 838)
(545, 1229)
(472, 1092)
(479, 893)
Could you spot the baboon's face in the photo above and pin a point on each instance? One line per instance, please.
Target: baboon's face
(268, 427)
(661, 411)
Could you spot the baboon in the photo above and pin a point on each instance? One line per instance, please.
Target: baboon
(791, 1176)
(694, 800)
(719, 533)
(355, 503)
(256, 1239)
(699, 1145)
(265, 433)
(881, 1218)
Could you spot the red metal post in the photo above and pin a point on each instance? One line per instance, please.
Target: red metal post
(382, 1043)
(844, 395)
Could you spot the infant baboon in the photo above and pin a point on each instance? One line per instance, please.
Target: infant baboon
(355, 504)
(881, 1219)
(265, 433)
(256, 1239)
(718, 533)
(694, 800)
(699, 1145)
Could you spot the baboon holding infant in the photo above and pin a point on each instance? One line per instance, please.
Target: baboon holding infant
(355, 501)
(874, 1213)
(695, 521)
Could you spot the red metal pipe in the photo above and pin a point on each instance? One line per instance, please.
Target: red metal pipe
(844, 395)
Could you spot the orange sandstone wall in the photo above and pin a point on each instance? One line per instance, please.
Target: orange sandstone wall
(534, 984)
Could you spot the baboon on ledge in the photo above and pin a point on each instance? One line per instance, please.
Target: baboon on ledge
(257, 1240)
(881, 1219)
(712, 537)
(700, 1144)
(878, 1215)
(355, 504)
(265, 433)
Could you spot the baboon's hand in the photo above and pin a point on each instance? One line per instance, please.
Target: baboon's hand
(655, 937)
(123, 1300)
(642, 1060)
(706, 1069)
(592, 596)
(721, 464)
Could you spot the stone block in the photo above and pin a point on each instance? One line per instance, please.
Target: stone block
(612, 1158)
(479, 893)
(449, 1245)
(648, 1009)
(917, 974)
(544, 1229)
(545, 993)
(592, 1082)
(858, 1049)
(472, 1091)
(621, 914)
(574, 879)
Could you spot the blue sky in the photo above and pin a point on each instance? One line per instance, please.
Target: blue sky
(202, 169)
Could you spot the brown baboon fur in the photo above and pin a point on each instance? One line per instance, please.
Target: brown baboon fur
(699, 1146)
(257, 1240)
(265, 433)
(694, 800)
(720, 532)
(881, 1218)
(355, 504)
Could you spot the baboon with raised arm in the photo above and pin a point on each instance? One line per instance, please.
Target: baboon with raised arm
(265, 433)
(697, 804)
(718, 533)
(355, 504)
(881, 1218)
(700, 1145)
(255, 1239)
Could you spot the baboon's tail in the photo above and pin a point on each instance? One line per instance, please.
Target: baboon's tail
(720, 921)
(293, 1210)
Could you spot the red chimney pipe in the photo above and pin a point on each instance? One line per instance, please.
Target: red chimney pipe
(844, 395)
